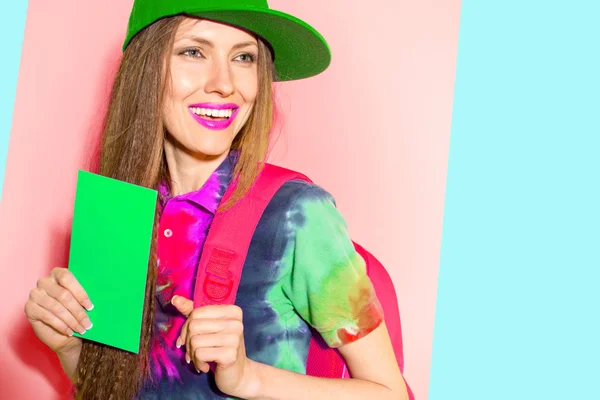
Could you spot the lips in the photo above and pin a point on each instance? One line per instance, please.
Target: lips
(214, 116)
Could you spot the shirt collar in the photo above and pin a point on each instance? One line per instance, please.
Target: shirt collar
(210, 194)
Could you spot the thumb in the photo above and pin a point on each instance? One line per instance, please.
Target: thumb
(183, 305)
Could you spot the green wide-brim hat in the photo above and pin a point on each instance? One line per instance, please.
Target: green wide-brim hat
(299, 51)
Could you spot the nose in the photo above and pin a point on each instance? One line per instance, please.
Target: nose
(219, 80)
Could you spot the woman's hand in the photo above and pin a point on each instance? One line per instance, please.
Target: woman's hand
(55, 309)
(216, 334)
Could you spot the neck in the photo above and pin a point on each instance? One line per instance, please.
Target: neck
(189, 171)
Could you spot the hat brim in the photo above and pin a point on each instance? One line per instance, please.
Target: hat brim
(299, 50)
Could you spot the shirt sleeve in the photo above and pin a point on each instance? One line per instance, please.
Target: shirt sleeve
(328, 284)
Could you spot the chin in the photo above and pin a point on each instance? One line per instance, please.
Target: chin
(212, 148)
(203, 142)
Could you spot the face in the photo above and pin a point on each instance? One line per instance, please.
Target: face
(214, 84)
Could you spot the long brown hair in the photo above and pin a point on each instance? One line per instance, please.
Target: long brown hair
(132, 151)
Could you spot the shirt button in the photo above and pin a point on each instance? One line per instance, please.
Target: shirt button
(168, 233)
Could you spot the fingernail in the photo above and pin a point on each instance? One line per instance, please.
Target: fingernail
(87, 324)
(88, 305)
(82, 331)
(70, 332)
(173, 299)
(187, 359)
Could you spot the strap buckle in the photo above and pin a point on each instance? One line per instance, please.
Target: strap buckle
(218, 284)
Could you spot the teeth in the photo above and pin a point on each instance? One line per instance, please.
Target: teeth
(209, 112)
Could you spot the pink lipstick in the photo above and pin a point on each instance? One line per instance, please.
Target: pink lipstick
(214, 116)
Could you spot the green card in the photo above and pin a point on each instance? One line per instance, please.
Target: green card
(110, 249)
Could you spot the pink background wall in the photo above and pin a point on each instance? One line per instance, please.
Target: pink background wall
(373, 130)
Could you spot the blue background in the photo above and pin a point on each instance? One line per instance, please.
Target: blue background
(518, 299)
(11, 29)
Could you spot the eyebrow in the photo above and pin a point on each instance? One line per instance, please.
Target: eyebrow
(210, 44)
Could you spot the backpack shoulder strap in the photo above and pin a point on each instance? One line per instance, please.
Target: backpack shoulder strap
(229, 237)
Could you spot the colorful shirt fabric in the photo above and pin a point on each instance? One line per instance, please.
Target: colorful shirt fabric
(301, 271)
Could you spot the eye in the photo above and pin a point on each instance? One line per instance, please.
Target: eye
(247, 58)
(192, 53)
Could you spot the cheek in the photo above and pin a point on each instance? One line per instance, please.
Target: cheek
(247, 86)
(184, 84)
(249, 91)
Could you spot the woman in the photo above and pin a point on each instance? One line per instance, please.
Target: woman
(190, 112)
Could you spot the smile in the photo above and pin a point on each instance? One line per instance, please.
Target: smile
(214, 116)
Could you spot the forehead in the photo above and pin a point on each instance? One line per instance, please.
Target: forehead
(213, 31)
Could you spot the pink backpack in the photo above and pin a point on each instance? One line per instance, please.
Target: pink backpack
(224, 254)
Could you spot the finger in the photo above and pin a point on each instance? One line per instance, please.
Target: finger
(205, 313)
(201, 364)
(66, 279)
(183, 305)
(184, 341)
(223, 356)
(68, 301)
(198, 327)
(205, 367)
(211, 329)
(215, 340)
(41, 298)
(206, 326)
(181, 340)
(218, 312)
(38, 314)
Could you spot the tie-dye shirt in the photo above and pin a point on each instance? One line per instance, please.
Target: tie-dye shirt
(301, 271)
